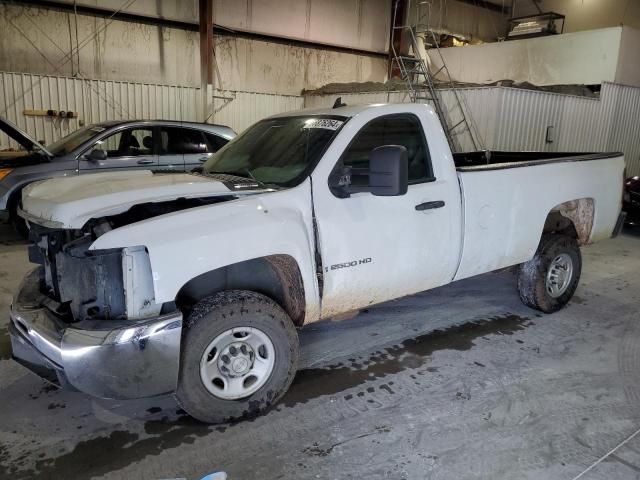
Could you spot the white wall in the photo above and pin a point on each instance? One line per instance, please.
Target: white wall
(275, 68)
(589, 57)
(362, 24)
(628, 69)
(126, 51)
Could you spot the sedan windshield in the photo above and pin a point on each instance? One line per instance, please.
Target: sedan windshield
(74, 140)
(277, 151)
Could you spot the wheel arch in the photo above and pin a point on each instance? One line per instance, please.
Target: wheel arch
(275, 276)
(574, 218)
(14, 198)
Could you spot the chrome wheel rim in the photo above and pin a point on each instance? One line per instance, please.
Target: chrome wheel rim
(559, 275)
(237, 363)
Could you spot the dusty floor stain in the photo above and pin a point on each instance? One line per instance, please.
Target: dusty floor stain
(412, 353)
(316, 450)
(101, 455)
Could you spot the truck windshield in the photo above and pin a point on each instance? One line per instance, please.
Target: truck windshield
(69, 143)
(278, 151)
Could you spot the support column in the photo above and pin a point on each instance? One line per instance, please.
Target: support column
(205, 16)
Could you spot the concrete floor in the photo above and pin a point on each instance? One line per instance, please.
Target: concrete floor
(458, 383)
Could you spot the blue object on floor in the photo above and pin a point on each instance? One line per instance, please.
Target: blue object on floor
(215, 476)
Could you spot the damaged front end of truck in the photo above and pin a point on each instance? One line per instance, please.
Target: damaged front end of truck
(87, 318)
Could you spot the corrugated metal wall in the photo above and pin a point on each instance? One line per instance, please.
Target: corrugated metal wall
(240, 110)
(94, 100)
(99, 100)
(503, 118)
(516, 119)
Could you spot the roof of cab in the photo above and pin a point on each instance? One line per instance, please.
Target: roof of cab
(346, 111)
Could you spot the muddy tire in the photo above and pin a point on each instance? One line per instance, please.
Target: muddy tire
(239, 356)
(548, 281)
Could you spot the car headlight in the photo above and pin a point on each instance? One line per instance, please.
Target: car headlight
(4, 172)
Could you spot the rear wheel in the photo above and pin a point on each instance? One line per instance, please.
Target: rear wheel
(548, 281)
(239, 356)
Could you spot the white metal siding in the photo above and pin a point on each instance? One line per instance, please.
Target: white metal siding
(240, 110)
(94, 101)
(100, 100)
(517, 119)
(504, 118)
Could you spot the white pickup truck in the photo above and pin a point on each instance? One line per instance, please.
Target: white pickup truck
(195, 283)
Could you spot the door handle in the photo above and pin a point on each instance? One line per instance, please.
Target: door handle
(203, 159)
(430, 205)
(145, 161)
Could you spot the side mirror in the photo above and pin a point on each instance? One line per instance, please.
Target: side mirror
(389, 171)
(96, 155)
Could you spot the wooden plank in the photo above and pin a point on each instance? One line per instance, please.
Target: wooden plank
(51, 113)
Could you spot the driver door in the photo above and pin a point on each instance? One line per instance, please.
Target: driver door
(131, 148)
(378, 248)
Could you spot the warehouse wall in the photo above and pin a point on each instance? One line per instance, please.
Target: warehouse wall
(517, 119)
(38, 41)
(628, 68)
(361, 24)
(101, 100)
(575, 58)
(502, 118)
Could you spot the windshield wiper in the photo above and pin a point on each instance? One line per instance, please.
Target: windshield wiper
(244, 173)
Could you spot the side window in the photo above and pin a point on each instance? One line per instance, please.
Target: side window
(181, 141)
(215, 142)
(402, 130)
(130, 142)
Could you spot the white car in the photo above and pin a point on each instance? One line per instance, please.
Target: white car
(195, 283)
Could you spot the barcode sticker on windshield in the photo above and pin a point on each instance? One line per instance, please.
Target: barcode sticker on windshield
(326, 123)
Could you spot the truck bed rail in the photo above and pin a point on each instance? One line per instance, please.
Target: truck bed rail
(490, 160)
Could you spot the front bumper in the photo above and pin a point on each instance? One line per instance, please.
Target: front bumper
(104, 358)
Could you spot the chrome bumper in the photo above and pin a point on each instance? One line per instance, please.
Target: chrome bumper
(104, 358)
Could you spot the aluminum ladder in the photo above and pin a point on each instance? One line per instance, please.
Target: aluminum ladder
(420, 82)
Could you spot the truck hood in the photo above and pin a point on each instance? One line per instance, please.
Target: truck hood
(69, 202)
(20, 136)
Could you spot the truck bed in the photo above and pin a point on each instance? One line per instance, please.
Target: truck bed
(504, 207)
(493, 160)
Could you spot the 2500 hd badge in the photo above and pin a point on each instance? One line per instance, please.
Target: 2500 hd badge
(354, 263)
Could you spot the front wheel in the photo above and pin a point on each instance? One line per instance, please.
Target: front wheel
(239, 356)
(548, 281)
